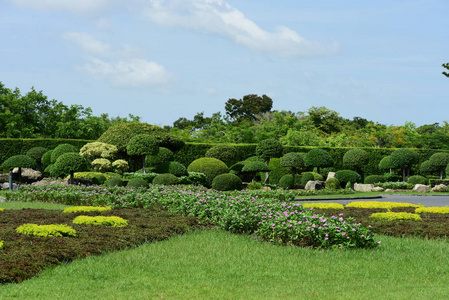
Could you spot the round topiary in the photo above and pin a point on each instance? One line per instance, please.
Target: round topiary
(269, 148)
(287, 182)
(211, 167)
(172, 167)
(164, 155)
(255, 166)
(98, 150)
(385, 163)
(61, 149)
(346, 176)
(36, 153)
(227, 182)
(332, 184)
(102, 165)
(120, 166)
(226, 153)
(46, 159)
(294, 161)
(372, 179)
(403, 158)
(142, 145)
(115, 181)
(439, 161)
(306, 177)
(418, 179)
(318, 158)
(427, 167)
(165, 179)
(137, 183)
(355, 158)
(20, 161)
(69, 163)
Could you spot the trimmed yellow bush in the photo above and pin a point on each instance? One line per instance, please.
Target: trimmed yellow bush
(46, 230)
(379, 204)
(323, 205)
(2, 209)
(75, 209)
(390, 216)
(1, 244)
(101, 221)
(433, 210)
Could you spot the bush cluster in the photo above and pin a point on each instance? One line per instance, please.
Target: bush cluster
(227, 182)
(211, 167)
(166, 179)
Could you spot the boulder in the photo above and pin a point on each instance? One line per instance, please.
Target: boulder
(29, 175)
(440, 188)
(363, 187)
(330, 175)
(377, 189)
(4, 177)
(421, 188)
(5, 186)
(314, 185)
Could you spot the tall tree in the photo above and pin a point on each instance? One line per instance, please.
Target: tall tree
(248, 107)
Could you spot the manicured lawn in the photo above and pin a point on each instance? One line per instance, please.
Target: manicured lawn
(213, 264)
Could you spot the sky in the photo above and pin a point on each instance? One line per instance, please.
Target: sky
(166, 59)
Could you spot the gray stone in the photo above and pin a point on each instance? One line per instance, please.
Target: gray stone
(440, 188)
(363, 187)
(5, 186)
(330, 175)
(421, 188)
(377, 189)
(29, 174)
(314, 185)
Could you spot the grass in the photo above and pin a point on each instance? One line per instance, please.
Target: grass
(212, 264)
(35, 205)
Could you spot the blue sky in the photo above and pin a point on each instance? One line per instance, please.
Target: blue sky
(165, 59)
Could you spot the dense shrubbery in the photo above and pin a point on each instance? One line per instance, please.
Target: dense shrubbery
(211, 167)
(287, 182)
(165, 179)
(137, 183)
(21, 161)
(372, 179)
(346, 176)
(115, 181)
(332, 184)
(226, 153)
(417, 179)
(62, 149)
(227, 182)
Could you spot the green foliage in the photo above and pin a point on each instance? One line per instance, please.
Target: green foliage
(318, 158)
(446, 66)
(55, 230)
(226, 153)
(101, 165)
(255, 166)
(166, 179)
(61, 149)
(164, 155)
(427, 167)
(115, 181)
(20, 161)
(269, 148)
(69, 163)
(36, 153)
(355, 158)
(137, 183)
(46, 158)
(372, 179)
(254, 185)
(346, 176)
(142, 144)
(417, 179)
(306, 177)
(276, 170)
(147, 176)
(294, 161)
(332, 184)
(404, 157)
(120, 166)
(227, 182)
(111, 221)
(98, 150)
(172, 167)
(439, 161)
(287, 182)
(248, 107)
(95, 177)
(194, 178)
(76, 209)
(211, 167)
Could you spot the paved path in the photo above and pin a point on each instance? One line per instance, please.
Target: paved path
(427, 200)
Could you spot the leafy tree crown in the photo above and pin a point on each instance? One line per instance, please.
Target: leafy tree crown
(142, 144)
(269, 148)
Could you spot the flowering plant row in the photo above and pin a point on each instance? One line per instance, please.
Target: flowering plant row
(243, 212)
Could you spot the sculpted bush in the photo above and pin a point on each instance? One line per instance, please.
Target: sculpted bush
(211, 167)
(227, 182)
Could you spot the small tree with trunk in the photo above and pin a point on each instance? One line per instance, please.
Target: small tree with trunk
(318, 158)
(142, 145)
(404, 159)
(294, 161)
(439, 161)
(267, 149)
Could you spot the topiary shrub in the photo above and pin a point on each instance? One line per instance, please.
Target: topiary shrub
(111, 221)
(36, 153)
(404, 159)
(306, 177)
(147, 176)
(253, 167)
(417, 179)
(46, 159)
(56, 230)
(95, 177)
(426, 167)
(348, 176)
(332, 184)
(355, 159)
(287, 182)
(120, 165)
(165, 179)
(439, 161)
(276, 170)
(142, 145)
(254, 185)
(98, 150)
(226, 153)
(115, 181)
(193, 178)
(372, 179)
(211, 167)
(69, 163)
(227, 182)
(19, 161)
(62, 149)
(172, 167)
(294, 161)
(137, 183)
(267, 149)
(76, 209)
(164, 155)
(318, 158)
(101, 165)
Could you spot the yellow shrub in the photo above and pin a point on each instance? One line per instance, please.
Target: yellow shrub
(379, 204)
(46, 230)
(433, 210)
(75, 209)
(1, 244)
(323, 205)
(100, 220)
(390, 216)
(2, 209)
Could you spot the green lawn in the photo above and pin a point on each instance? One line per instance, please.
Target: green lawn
(212, 264)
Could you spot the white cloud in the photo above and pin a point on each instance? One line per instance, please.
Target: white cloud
(78, 6)
(217, 16)
(129, 73)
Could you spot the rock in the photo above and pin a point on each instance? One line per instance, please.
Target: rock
(4, 177)
(377, 189)
(330, 175)
(363, 187)
(5, 186)
(390, 190)
(314, 185)
(421, 188)
(440, 188)
(29, 175)
(266, 188)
